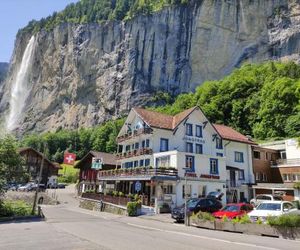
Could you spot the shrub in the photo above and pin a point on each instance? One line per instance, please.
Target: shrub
(14, 208)
(296, 203)
(115, 193)
(121, 194)
(290, 220)
(205, 216)
(225, 218)
(132, 208)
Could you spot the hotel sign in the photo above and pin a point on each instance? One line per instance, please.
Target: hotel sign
(193, 139)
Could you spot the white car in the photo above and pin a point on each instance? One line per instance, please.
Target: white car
(263, 198)
(272, 208)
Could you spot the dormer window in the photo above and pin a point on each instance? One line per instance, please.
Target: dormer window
(189, 129)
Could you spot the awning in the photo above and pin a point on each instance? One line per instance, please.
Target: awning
(232, 168)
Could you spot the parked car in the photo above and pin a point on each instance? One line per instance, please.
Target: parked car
(42, 187)
(233, 210)
(215, 194)
(26, 188)
(195, 205)
(264, 197)
(61, 185)
(272, 208)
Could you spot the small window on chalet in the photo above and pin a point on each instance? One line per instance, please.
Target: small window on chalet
(219, 143)
(189, 129)
(256, 154)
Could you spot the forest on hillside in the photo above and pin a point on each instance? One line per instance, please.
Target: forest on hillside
(261, 100)
(97, 11)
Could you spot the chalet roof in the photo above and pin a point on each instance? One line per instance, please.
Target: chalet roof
(159, 120)
(108, 159)
(228, 133)
(53, 164)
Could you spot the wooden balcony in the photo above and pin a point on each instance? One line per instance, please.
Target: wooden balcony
(137, 172)
(134, 153)
(133, 134)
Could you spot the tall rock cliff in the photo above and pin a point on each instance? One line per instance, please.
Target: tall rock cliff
(82, 75)
(3, 71)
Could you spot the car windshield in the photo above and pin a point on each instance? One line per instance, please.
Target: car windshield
(231, 208)
(192, 203)
(269, 206)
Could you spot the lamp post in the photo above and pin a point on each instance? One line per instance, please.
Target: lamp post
(185, 198)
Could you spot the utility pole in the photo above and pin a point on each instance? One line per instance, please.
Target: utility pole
(39, 180)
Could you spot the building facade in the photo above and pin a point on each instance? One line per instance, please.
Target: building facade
(284, 168)
(33, 162)
(165, 158)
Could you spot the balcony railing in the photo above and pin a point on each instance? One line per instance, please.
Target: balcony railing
(128, 172)
(288, 162)
(133, 134)
(133, 153)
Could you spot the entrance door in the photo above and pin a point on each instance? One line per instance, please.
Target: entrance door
(232, 178)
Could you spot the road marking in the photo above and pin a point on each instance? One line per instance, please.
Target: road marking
(203, 237)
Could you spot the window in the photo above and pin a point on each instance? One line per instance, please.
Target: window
(199, 149)
(283, 154)
(189, 129)
(189, 147)
(136, 164)
(214, 166)
(264, 177)
(256, 154)
(220, 154)
(163, 162)
(238, 157)
(186, 190)
(128, 164)
(257, 176)
(127, 148)
(168, 189)
(219, 143)
(147, 162)
(141, 163)
(164, 145)
(241, 175)
(189, 163)
(198, 131)
(147, 143)
(137, 145)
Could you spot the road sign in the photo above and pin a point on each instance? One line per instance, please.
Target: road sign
(138, 186)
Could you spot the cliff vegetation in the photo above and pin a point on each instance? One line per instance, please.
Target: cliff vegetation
(261, 100)
(97, 11)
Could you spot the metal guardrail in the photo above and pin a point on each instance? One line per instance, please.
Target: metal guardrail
(127, 172)
(134, 133)
(290, 162)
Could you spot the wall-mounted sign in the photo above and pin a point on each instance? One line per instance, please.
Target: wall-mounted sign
(191, 174)
(209, 176)
(193, 139)
(96, 163)
(138, 186)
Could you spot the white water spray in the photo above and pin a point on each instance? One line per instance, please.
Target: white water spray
(20, 88)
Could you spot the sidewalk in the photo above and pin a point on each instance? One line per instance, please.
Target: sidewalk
(166, 218)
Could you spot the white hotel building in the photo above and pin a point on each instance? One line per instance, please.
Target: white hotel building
(170, 155)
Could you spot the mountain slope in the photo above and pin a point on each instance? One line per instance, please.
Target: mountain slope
(83, 74)
(3, 71)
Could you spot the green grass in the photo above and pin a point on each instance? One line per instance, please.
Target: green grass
(68, 174)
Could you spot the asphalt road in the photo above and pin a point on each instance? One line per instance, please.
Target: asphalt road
(69, 227)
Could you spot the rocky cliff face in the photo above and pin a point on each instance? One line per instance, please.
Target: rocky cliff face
(3, 71)
(82, 75)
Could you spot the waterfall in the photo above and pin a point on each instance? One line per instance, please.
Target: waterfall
(20, 88)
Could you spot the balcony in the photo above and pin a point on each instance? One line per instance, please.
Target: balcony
(135, 133)
(134, 153)
(286, 162)
(138, 173)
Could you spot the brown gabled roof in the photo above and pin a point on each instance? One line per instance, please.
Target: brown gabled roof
(230, 134)
(159, 120)
(53, 164)
(155, 119)
(108, 159)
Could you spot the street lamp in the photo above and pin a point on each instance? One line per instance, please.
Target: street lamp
(185, 198)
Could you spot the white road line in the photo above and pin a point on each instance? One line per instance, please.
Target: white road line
(203, 237)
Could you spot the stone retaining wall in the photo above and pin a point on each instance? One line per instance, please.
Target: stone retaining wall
(104, 207)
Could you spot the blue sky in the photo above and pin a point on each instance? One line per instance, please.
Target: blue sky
(15, 14)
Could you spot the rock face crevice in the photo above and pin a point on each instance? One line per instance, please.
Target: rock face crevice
(83, 75)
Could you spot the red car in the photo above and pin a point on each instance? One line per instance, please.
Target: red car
(233, 210)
